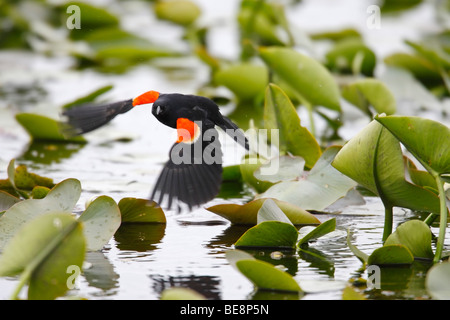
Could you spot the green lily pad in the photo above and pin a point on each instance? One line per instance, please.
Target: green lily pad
(319, 231)
(92, 18)
(374, 159)
(308, 77)
(181, 294)
(427, 140)
(182, 12)
(362, 256)
(394, 254)
(421, 68)
(248, 213)
(438, 281)
(100, 220)
(141, 211)
(414, 235)
(280, 115)
(262, 274)
(245, 80)
(248, 167)
(323, 186)
(44, 128)
(7, 200)
(269, 234)
(351, 55)
(88, 98)
(21, 183)
(370, 92)
(48, 245)
(281, 168)
(61, 198)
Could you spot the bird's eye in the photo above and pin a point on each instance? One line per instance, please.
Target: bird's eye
(159, 110)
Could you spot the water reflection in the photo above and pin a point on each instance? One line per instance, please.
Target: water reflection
(139, 237)
(45, 152)
(318, 260)
(208, 286)
(100, 273)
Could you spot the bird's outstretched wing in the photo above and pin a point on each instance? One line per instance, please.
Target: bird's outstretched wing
(88, 117)
(192, 179)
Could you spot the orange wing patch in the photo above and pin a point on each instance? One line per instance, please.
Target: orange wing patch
(148, 97)
(187, 130)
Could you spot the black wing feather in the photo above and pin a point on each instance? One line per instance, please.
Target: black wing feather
(88, 117)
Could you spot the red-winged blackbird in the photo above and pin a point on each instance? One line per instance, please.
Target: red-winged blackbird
(193, 173)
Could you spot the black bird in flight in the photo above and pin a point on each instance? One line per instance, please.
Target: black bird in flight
(193, 173)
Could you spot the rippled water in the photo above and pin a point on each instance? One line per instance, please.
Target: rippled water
(142, 260)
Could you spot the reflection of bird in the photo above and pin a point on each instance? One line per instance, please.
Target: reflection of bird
(193, 173)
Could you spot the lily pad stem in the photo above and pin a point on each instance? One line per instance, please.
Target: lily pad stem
(443, 218)
(388, 219)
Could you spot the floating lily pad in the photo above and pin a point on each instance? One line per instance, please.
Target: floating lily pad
(414, 235)
(438, 281)
(44, 128)
(62, 198)
(100, 220)
(394, 254)
(248, 213)
(323, 186)
(181, 294)
(262, 274)
(141, 211)
(7, 200)
(283, 168)
(269, 234)
(322, 229)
